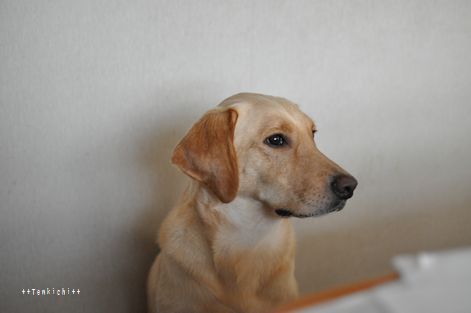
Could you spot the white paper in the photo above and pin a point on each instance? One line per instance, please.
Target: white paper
(430, 283)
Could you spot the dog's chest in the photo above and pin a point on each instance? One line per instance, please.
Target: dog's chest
(247, 258)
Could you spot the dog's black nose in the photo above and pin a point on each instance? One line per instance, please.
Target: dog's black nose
(343, 186)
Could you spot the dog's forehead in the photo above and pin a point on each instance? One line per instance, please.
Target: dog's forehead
(262, 111)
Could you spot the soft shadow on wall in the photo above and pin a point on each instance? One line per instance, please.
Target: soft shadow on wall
(167, 183)
(364, 250)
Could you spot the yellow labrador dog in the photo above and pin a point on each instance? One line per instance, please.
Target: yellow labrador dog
(228, 246)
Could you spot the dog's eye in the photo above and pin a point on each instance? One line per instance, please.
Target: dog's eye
(314, 131)
(276, 140)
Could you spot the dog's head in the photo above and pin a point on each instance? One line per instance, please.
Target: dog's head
(262, 147)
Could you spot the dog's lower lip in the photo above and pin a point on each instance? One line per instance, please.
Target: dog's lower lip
(337, 206)
(286, 213)
(283, 213)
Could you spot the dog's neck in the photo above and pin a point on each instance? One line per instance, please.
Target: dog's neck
(245, 222)
(222, 240)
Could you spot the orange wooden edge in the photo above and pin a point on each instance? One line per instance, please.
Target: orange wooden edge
(316, 298)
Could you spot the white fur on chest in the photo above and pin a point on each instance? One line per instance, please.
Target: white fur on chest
(249, 226)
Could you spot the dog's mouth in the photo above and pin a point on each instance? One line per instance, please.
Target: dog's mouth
(284, 212)
(287, 213)
(335, 207)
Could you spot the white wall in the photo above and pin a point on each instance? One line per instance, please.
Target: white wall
(94, 95)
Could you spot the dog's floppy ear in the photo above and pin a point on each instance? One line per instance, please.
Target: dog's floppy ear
(207, 153)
